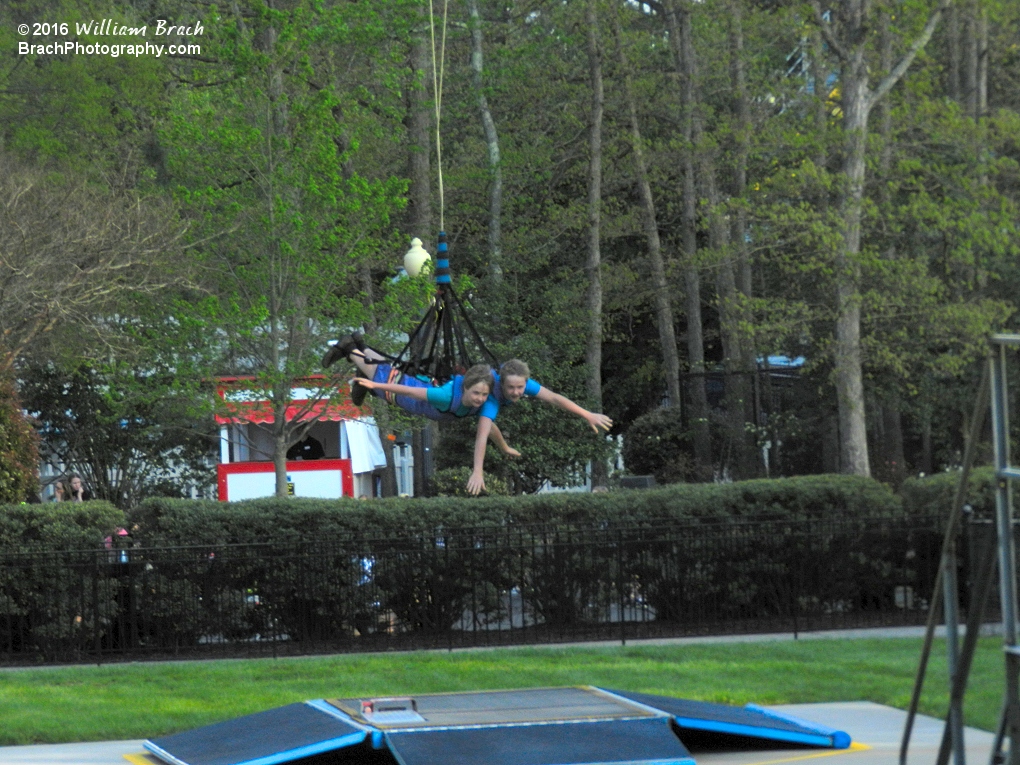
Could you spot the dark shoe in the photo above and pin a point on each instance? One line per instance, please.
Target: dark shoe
(358, 393)
(343, 348)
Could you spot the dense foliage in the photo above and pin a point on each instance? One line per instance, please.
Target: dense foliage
(256, 194)
(127, 434)
(935, 494)
(57, 526)
(403, 572)
(19, 455)
(186, 522)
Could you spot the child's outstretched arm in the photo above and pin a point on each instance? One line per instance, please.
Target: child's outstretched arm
(496, 436)
(422, 394)
(476, 483)
(594, 419)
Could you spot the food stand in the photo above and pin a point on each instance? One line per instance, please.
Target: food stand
(347, 464)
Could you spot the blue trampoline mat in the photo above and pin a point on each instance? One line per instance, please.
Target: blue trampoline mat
(557, 726)
(648, 741)
(265, 738)
(749, 721)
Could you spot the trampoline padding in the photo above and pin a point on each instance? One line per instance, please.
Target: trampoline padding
(265, 738)
(648, 741)
(750, 721)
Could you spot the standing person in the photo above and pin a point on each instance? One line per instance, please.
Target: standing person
(78, 491)
(309, 449)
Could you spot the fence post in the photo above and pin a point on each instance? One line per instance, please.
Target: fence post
(95, 608)
(620, 586)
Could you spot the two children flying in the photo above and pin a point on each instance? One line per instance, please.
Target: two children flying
(479, 392)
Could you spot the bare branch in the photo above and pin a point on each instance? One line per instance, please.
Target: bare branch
(904, 63)
(826, 30)
(70, 251)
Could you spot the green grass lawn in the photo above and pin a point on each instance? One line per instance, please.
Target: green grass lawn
(127, 701)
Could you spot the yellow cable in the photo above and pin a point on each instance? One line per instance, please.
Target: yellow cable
(437, 91)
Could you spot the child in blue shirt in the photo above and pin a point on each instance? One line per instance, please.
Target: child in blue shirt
(480, 392)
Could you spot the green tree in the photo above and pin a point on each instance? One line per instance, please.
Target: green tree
(257, 162)
(129, 433)
(19, 456)
(88, 113)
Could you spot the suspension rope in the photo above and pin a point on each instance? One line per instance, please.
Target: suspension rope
(437, 90)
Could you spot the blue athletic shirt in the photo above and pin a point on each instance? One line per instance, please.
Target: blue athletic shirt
(491, 406)
(441, 397)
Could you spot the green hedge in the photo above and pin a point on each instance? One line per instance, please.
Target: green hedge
(426, 585)
(935, 493)
(166, 522)
(45, 609)
(161, 522)
(337, 569)
(57, 526)
(452, 482)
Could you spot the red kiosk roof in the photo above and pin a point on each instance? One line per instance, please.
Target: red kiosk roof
(316, 397)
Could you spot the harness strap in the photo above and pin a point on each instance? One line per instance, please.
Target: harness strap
(393, 378)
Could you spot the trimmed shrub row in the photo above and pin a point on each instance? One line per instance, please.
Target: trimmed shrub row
(172, 522)
(162, 522)
(340, 570)
(935, 493)
(57, 526)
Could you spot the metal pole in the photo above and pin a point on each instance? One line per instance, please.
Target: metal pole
(951, 598)
(980, 591)
(1007, 553)
(977, 421)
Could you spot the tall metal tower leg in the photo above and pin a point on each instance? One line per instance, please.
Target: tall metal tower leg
(998, 758)
(952, 599)
(1007, 552)
(980, 592)
(948, 550)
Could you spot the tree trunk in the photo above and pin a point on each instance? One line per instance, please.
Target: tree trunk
(593, 265)
(748, 360)
(697, 401)
(420, 201)
(492, 142)
(858, 101)
(970, 58)
(281, 387)
(280, 447)
(927, 465)
(742, 118)
(893, 458)
(982, 73)
(849, 375)
(418, 163)
(821, 111)
(884, 110)
(953, 33)
(663, 304)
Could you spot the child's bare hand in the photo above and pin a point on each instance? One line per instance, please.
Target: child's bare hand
(476, 483)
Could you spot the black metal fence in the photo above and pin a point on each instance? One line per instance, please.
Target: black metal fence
(466, 587)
